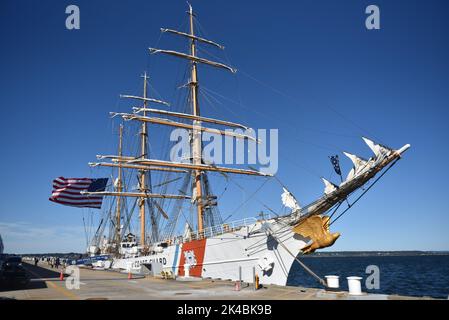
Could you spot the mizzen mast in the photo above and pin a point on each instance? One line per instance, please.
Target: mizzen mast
(144, 193)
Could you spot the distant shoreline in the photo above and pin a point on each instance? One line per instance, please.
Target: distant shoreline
(313, 255)
(375, 254)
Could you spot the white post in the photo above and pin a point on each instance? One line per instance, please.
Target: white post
(355, 287)
(187, 270)
(332, 282)
(240, 274)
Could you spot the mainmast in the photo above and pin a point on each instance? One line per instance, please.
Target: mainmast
(196, 138)
(196, 166)
(142, 173)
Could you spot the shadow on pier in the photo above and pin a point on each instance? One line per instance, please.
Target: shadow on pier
(38, 272)
(37, 276)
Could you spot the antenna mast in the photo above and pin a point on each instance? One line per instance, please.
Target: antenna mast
(119, 188)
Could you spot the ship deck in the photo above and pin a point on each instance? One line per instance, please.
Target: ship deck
(104, 285)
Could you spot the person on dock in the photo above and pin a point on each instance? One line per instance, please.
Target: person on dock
(57, 263)
(36, 260)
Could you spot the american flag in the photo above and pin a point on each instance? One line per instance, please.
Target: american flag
(67, 191)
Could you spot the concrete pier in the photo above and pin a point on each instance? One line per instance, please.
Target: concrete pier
(104, 285)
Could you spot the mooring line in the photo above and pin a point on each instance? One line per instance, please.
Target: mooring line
(313, 274)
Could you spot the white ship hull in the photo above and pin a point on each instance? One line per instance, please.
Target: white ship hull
(232, 255)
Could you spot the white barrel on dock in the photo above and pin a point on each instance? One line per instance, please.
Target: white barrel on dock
(333, 281)
(354, 285)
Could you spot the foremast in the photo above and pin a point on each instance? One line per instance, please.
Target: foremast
(196, 141)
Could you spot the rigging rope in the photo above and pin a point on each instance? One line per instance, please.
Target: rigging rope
(294, 100)
(335, 210)
(85, 232)
(307, 269)
(294, 127)
(364, 192)
(251, 196)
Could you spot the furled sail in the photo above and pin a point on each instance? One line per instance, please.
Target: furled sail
(187, 231)
(359, 165)
(116, 183)
(373, 166)
(329, 187)
(378, 149)
(193, 195)
(289, 200)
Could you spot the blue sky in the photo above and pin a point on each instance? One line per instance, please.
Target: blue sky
(309, 68)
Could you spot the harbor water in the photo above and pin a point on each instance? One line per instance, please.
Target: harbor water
(414, 275)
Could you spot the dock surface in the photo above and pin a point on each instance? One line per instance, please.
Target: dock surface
(45, 284)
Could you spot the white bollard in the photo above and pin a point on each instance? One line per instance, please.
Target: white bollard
(187, 270)
(332, 282)
(354, 285)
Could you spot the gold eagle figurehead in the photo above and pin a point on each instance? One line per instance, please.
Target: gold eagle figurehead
(317, 229)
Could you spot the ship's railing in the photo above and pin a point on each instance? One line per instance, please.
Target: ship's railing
(217, 230)
(224, 228)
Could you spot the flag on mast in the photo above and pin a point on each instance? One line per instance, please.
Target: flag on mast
(336, 163)
(67, 191)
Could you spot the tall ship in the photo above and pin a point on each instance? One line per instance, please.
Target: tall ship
(179, 224)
